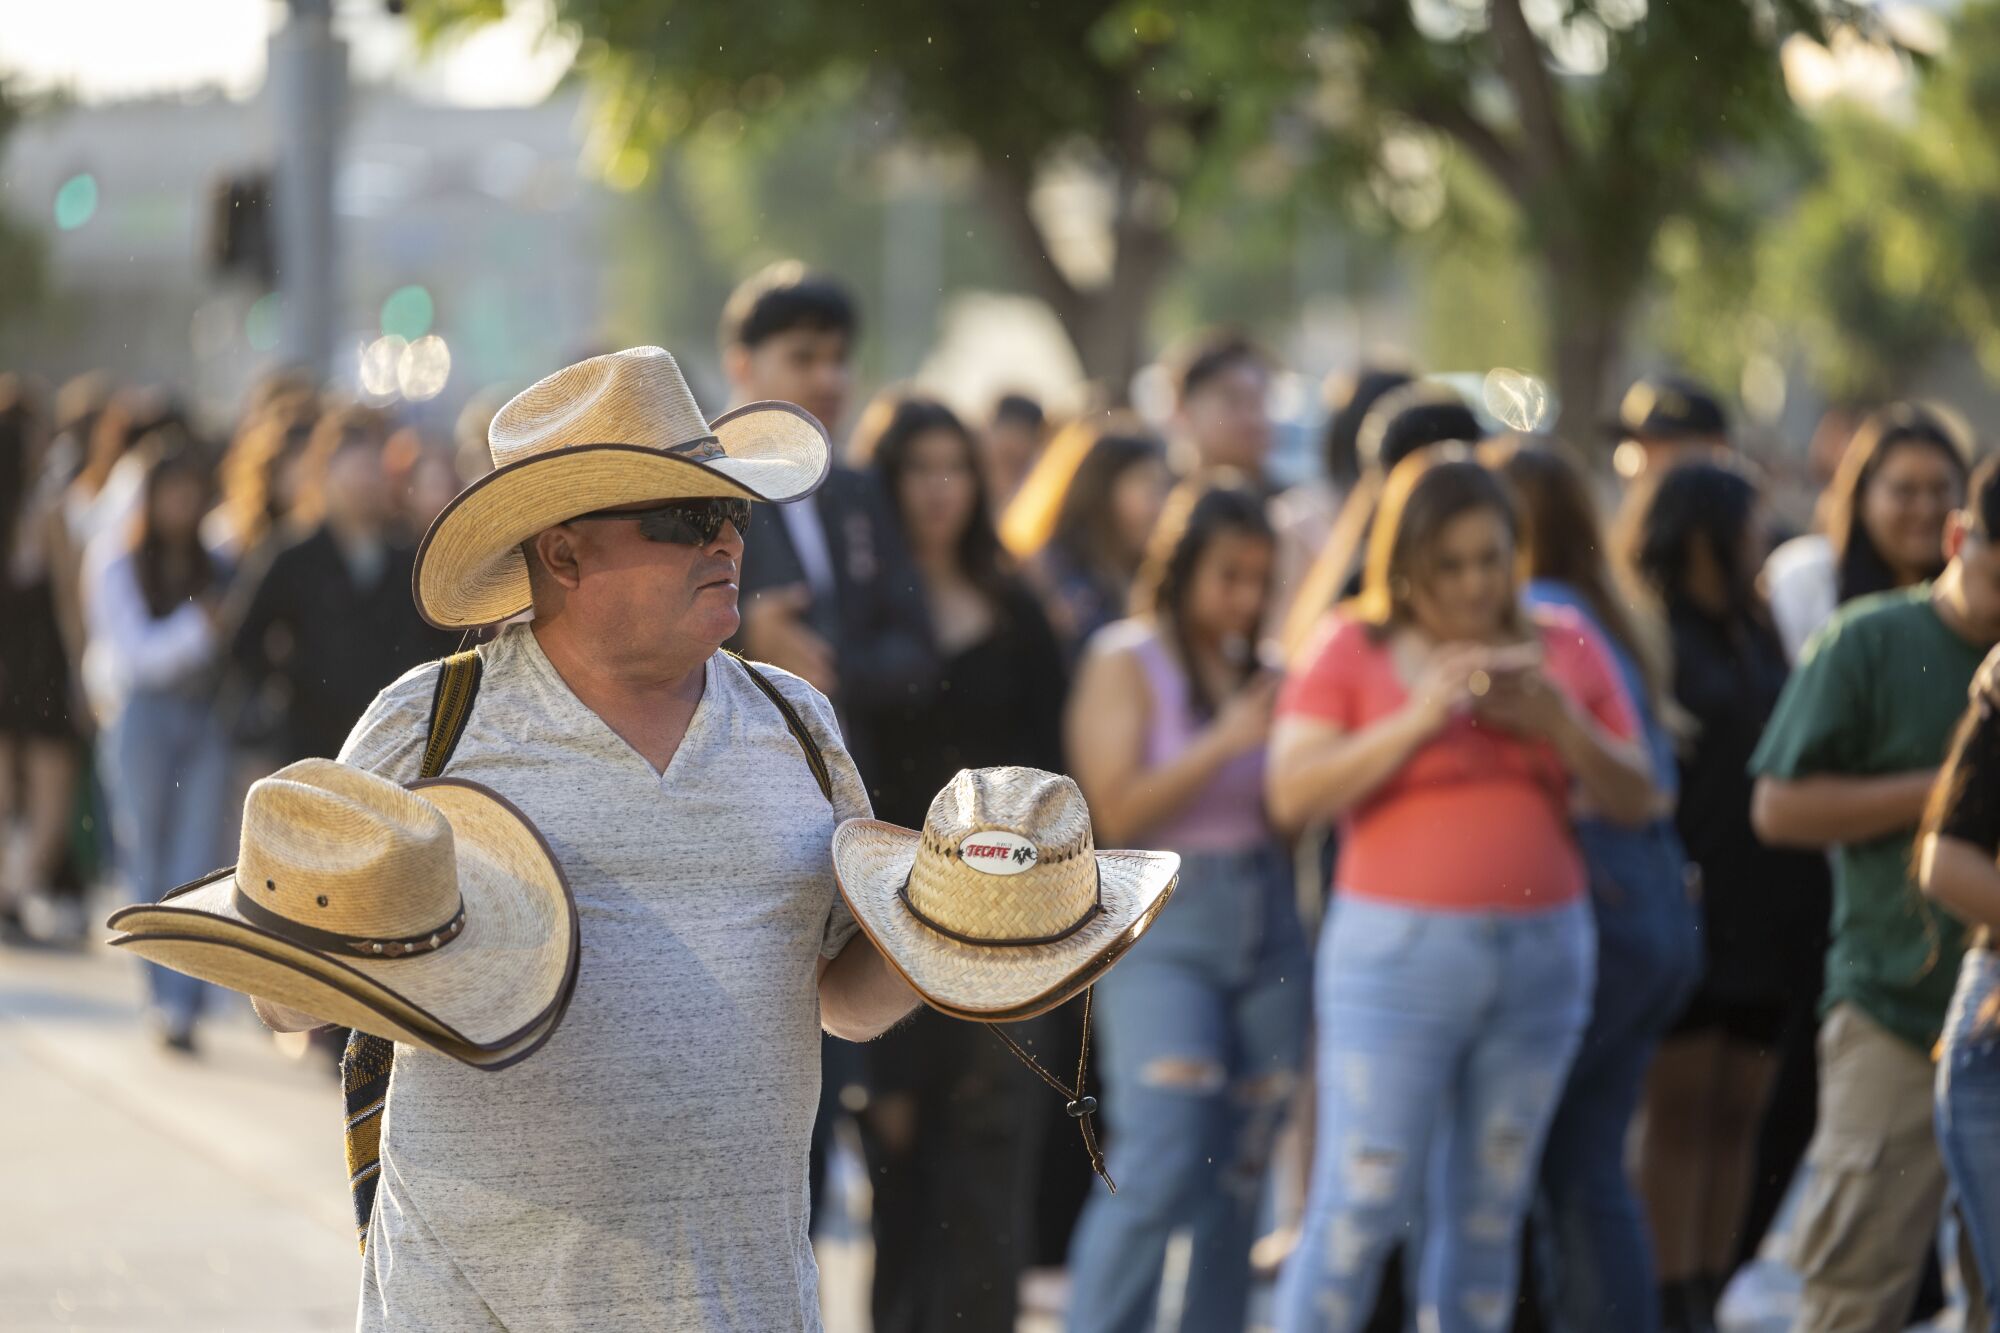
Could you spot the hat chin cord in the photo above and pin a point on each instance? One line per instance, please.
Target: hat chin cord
(1080, 1107)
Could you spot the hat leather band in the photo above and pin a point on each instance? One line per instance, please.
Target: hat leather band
(1096, 906)
(366, 947)
(700, 449)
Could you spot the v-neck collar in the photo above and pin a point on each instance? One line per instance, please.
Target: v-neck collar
(538, 662)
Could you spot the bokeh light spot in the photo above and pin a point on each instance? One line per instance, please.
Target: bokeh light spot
(423, 368)
(1516, 399)
(378, 366)
(408, 312)
(76, 201)
(261, 325)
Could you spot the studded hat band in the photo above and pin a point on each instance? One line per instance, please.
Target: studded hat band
(314, 938)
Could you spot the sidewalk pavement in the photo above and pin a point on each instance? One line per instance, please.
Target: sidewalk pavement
(152, 1191)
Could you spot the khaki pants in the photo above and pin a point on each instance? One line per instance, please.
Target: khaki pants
(1877, 1185)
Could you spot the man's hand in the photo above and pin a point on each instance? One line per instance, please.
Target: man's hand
(860, 995)
(281, 1018)
(774, 631)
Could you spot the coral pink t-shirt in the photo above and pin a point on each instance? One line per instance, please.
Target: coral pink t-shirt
(1477, 819)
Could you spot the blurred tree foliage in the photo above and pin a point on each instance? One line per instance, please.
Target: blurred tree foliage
(1555, 137)
(1871, 251)
(1139, 107)
(1596, 125)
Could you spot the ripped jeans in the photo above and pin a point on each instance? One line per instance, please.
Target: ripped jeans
(1202, 1030)
(1444, 1039)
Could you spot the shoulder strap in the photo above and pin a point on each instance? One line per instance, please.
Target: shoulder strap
(368, 1060)
(815, 760)
(451, 705)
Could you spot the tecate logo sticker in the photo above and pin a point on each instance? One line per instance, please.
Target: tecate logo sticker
(998, 853)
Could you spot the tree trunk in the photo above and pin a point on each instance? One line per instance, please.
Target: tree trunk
(1108, 335)
(1106, 324)
(1586, 340)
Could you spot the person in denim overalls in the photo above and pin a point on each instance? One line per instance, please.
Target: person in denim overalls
(1203, 1024)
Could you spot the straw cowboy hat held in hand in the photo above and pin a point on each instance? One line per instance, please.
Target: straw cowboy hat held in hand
(1002, 907)
(615, 430)
(433, 915)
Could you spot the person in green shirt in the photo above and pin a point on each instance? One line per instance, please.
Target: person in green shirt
(1847, 762)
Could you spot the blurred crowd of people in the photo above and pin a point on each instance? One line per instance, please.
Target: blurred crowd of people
(1569, 855)
(184, 616)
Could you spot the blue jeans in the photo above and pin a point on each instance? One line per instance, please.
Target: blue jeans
(1595, 1253)
(1203, 1029)
(166, 766)
(1968, 1113)
(1444, 1040)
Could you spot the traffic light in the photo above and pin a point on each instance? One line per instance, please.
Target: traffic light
(239, 235)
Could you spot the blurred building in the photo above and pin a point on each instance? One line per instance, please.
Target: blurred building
(472, 224)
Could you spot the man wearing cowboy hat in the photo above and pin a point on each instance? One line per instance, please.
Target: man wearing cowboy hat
(646, 1169)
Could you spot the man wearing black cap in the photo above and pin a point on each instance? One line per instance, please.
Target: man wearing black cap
(1664, 420)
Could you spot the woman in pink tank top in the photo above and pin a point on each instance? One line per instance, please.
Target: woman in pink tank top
(1449, 733)
(1203, 1022)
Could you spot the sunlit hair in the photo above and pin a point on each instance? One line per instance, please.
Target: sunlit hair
(335, 430)
(1402, 421)
(1563, 541)
(1065, 498)
(128, 416)
(1420, 499)
(290, 390)
(249, 471)
(1860, 568)
(79, 402)
(1196, 513)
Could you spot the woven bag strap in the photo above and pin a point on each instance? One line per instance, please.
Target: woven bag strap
(367, 1062)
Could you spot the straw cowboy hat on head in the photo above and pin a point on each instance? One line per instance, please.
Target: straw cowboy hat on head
(1002, 907)
(619, 429)
(433, 915)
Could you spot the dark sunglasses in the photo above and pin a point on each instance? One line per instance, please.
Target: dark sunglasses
(683, 522)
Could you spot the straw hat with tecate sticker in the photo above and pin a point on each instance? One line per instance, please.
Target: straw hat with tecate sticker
(433, 915)
(614, 430)
(1002, 907)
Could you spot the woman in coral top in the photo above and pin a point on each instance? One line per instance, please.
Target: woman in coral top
(1451, 734)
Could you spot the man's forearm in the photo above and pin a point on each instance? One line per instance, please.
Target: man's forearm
(860, 995)
(1829, 811)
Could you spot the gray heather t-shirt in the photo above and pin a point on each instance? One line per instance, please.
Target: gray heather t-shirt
(646, 1169)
